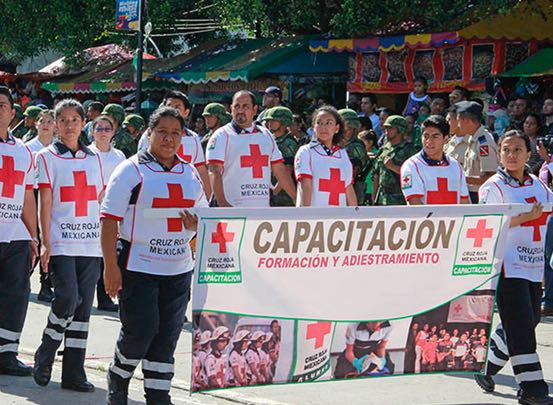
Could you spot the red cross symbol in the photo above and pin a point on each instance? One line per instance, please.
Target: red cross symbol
(180, 153)
(10, 177)
(536, 223)
(318, 331)
(458, 308)
(406, 180)
(221, 236)
(442, 195)
(335, 186)
(479, 233)
(81, 193)
(256, 161)
(175, 200)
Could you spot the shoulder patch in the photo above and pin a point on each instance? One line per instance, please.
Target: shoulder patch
(482, 139)
(406, 182)
(484, 150)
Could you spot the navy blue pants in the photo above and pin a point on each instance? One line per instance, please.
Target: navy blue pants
(548, 271)
(15, 269)
(74, 279)
(152, 312)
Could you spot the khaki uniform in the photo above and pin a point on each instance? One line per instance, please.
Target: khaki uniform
(457, 147)
(481, 156)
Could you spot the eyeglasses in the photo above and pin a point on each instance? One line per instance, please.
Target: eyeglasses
(103, 129)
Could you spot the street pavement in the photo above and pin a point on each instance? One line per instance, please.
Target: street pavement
(435, 389)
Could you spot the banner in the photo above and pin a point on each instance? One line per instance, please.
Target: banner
(127, 14)
(296, 295)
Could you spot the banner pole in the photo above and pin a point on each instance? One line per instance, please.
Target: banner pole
(139, 53)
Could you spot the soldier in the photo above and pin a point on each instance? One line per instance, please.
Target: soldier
(458, 143)
(215, 116)
(386, 183)
(135, 124)
(481, 158)
(17, 125)
(356, 152)
(31, 114)
(278, 120)
(123, 140)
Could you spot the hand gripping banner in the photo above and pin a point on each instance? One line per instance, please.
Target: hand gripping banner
(298, 295)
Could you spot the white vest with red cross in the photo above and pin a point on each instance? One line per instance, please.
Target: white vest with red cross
(76, 183)
(330, 170)
(524, 251)
(190, 149)
(246, 156)
(157, 246)
(435, 182)
(16, 175)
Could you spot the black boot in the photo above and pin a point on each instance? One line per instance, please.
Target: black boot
(42, 370)
(45, 294)
(118, 390)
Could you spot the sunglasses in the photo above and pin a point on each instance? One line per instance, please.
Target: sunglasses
(103, 129)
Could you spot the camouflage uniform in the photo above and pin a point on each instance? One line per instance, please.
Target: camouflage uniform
(217, 110)
(288, 146)
(124, 141)
(29, 135)
(359, 160)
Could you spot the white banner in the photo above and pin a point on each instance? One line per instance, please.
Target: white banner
(345, 284)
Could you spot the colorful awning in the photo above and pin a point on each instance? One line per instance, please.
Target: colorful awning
(385, 44)
(539, 64)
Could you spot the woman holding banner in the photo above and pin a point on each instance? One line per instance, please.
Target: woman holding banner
(323, 170)
(519, 288)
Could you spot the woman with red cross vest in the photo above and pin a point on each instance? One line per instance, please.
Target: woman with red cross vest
(153, 270)
(70, 187)
(18, 237)
(519, 290)
(323, 170)
(431, 177)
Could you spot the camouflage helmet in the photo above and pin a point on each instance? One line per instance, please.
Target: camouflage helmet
(32, 111)
(280, 114)
(397, 121)
(351, 117)
(116, 111)
(226, 119)
(216, 110)
(135, 120)
(18, 111)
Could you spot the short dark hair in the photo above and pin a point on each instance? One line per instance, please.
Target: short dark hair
(422, 80)
(69, 103)
(463, 91)
(515, 133)
(539, 121)
(6, 92)
(369, 135)
(163, 112)
(387, 110)
(470, 116)
(245, 93)
(370, 96)
(366, 122)
(337, 138)
(96, 106)
(179, 95)
(438, 122)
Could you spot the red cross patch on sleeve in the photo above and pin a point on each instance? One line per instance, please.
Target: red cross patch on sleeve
(484, 150)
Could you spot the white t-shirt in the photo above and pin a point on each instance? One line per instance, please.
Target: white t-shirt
(524, 251)
(76, 182)
(157, 246)
(442, 183)
(190, 150)
(331, 174)
(215, 368)
(110, 160)
(246, 156)
(236, 360)
(17, 174)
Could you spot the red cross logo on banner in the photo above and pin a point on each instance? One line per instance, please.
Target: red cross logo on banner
(175, 200)
(180, 153)
(221, 236)
(334, 186)
(318, 331)
(443, 195)
(458, 308)
(536, 223)
(256, 161)
(479, 233)
(10, 177)
(81, 193)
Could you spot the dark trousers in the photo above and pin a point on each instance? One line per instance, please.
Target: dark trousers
(15, 268)
(74, 279)
(152, 311)
(548, 271)
(44, 277)
(101, 295)
(518, 302)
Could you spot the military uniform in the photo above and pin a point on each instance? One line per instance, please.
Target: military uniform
(29, 135)
(20, 131)
(124, 141)
(481, 156)
(288, 146)
(457, 147)
(389, 187)
(359, 160)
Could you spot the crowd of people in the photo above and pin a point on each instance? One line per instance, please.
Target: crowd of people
(94, 170)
